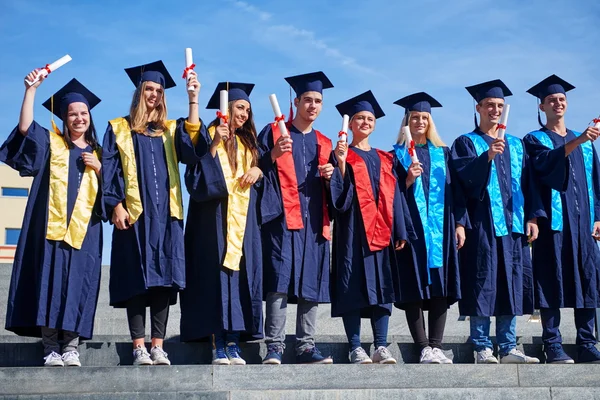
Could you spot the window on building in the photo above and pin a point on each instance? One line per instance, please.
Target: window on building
(12, 236)
(15, 192)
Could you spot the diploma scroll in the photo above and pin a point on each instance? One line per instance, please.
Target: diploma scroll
(278, 116)
(49, 68)
(410, 144)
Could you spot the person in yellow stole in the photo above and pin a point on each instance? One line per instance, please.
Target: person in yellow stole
(223, 296)
(56, 273)
(142, 198)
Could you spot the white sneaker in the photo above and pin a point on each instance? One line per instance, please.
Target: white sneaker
(485, 357)
(428, 357)
(159, 356)
(71, 359)
(53, 360)
(359, 356)
(383, 356)
(439, 354)
(517, 357)
(141, 356)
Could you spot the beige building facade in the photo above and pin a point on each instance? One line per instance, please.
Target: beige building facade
(14, 192)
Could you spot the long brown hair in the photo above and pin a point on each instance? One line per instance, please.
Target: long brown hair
(247, 135)
(138, 111)
(90, 135)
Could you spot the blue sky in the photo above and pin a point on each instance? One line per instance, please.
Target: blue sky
(393, 48)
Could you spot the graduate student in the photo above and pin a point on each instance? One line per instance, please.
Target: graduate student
(566, 260)
(428, 268)
(503, 206)
(223, 295)
(369, 226)
(295, 221)
(56, 273)
(142, 197)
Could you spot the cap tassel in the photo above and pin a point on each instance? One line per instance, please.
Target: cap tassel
(291, 114)
(475, 116)
(54, 127)
(539, 117)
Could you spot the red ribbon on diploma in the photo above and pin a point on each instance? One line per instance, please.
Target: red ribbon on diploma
(188, 69)
(501, 126)
(341, 133)
(281, 118)
(596, 120)
(47, 68)
(222, 116)
(411, 148)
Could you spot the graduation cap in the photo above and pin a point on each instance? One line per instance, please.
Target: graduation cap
(495, 89)
(236, 90)
(72, 92)
(363, 102)
(421, 102)
(312, 82)
(154, 72)
(551, 85)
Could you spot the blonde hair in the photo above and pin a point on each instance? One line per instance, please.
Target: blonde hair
(138, 111)
(431, 134)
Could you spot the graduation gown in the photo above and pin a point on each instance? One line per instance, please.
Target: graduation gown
(416, 284)
(566, 263)
(361, 278)
(296, 262)
(53, 284)
(496, 273)
(150, 254)
(217, 298)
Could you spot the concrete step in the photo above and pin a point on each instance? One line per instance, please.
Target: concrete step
(106, 351)
(304, 382)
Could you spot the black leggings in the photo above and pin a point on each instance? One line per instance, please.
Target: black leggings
(438, 307)
(158, 300)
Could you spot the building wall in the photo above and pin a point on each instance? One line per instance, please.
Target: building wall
(12, 208)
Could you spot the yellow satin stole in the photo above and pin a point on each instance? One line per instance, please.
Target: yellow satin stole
(124, 141)
(238, 201)
(57, 229)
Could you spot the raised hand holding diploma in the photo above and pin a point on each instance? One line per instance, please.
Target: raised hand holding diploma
(410, 144)
(189, 66)
(279, 118)
(49, 68)
(503, 121)
(343, 135)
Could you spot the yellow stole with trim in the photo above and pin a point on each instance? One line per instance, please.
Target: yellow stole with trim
(133, 199)
(57, 229)
(238, 201)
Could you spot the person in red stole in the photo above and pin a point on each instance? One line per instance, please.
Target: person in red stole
(369, 226)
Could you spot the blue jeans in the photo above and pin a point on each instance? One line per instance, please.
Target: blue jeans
(379, 323)
(505, 333)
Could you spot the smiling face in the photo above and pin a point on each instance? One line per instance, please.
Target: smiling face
(78, 118)
(418, 123)
(152, 94)
(490, 110)
(309, 105)
(362, 124)
(240, 112)
(554, 106)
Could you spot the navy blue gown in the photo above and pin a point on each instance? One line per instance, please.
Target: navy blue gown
(296, 262)
(496, 272)
(150, 254)
(217, 298)
(52, 285)
(566, 264)
(412, 260)
(361, 278)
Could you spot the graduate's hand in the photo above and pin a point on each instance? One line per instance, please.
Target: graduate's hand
(90, 160)
(460, 236)
(31, 77)
(221, 133)
(326, 171)
(120, 217)
(251, 177)
(414, 171)
(596, 231)
(193, 81)
(341, 151)
(497, 147)
(532, 231)
(399, 244)
(283, 145)
(591, 134)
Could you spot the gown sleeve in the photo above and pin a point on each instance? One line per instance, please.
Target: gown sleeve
(26, 153)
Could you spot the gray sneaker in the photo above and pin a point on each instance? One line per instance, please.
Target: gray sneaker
(517, 357)
(383, 356)
(159, 356)
(71, 359)
(428, 356)
(485, 357)
(359, 356)
(53, 360)
(439, 354)
(141, 356)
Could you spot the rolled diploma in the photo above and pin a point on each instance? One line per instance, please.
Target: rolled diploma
(597, 124)
(224, 100)
(344, 135)
(503, 121)
(408, 140)
(277, 112)
(189, 60)
(52, 67)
